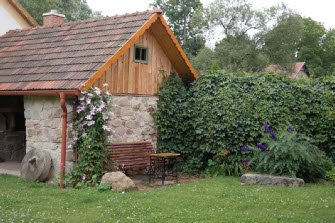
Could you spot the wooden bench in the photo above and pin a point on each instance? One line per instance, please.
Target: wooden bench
(131, 154)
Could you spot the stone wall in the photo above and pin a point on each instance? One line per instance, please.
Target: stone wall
(12, 145)
(43, 116)
(133, 120)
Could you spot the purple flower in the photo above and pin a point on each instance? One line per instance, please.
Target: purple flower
(262, 147)
(266, 127)
(89, 146)
(245, 160)
(246, 148)
(273, 135)
(89, 117)
(290, 129)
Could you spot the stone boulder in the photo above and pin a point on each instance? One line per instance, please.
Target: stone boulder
(118, 181)
(252, 179)
(36, 165)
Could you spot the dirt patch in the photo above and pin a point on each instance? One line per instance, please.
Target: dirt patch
(142, 182)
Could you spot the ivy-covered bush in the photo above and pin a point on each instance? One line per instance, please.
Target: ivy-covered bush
(90, 131)
(222, 111)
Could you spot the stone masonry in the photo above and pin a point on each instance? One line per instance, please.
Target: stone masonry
(43, 116)
(133, 120)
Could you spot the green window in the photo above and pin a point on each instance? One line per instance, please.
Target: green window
(141, 54)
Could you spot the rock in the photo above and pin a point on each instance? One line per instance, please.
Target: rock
(252, 179)
(36, 165)
(118, 181)
(322, 181)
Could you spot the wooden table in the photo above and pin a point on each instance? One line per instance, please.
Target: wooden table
(158, 163)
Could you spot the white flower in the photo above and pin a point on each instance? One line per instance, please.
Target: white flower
(69, 146)
(105, 85)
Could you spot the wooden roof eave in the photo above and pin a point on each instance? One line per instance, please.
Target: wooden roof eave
(132, 40)
(25, 15)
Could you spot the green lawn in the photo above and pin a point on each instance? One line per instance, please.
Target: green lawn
(220, 199)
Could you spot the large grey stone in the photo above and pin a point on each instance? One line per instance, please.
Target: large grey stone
(252, 179)
(36, 165)
(118, 181)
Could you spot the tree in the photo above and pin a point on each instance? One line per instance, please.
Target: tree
(310, 48)
(204, 60)
(281, 42)
(72, 9)
(329, 52)
(239, 54)
(179, 14)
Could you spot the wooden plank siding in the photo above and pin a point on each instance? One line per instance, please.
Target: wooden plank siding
(128, 77)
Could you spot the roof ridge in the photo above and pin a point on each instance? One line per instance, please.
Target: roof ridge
(158, 11)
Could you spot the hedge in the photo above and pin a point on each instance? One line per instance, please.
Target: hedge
(224, 111)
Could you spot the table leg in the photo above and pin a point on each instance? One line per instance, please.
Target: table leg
(163, 173)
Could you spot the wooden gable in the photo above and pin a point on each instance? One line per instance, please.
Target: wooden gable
(125, 76)
(128, 77)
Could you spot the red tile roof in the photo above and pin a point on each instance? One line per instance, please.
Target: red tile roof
(63, 57)
(296, 67)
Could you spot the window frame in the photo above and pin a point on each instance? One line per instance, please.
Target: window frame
(147, 54)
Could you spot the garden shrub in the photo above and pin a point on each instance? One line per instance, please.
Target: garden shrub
(287, 153)
(224, 111)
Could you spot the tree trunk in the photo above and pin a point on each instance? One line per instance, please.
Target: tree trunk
(185, 32)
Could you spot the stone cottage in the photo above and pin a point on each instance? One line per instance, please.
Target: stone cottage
(42, 71)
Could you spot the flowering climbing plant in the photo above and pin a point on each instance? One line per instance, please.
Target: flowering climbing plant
(90, 133)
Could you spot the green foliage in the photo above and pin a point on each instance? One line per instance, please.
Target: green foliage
(290, 154)
(203, 61)
(224, 164)
(330, 175)
(90, 137)
(72, 9)
(224, 111)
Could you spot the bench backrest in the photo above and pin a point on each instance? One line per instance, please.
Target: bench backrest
(131, 154)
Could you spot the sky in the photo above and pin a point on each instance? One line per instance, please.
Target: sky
(319, 10)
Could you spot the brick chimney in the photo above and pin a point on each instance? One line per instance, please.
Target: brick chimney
(53, 18)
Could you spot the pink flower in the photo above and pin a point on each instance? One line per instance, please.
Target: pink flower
(69, 125)
(89, 146)
(89, 117)
(69, 146)
(122, 165)
(62, 165)
(90, 123)
(105, 127)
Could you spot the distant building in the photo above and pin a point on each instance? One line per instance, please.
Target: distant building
(14, 16)
(299, 70)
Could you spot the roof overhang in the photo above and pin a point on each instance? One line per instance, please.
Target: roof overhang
(41, 92)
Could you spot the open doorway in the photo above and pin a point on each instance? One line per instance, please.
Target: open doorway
(12, 134)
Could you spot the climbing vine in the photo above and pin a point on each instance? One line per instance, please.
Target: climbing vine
(90, 132)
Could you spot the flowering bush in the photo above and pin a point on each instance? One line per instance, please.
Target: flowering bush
(287, 154)
(90, 132)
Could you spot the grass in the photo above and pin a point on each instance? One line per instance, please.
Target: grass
(220, 199)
